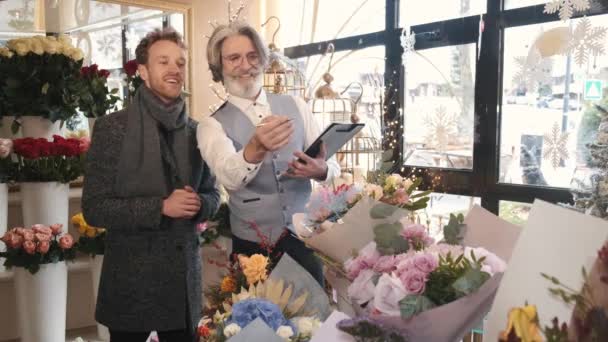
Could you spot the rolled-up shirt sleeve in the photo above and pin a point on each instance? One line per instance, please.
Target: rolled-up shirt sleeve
(217, 150)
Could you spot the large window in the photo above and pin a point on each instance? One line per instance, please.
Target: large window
(494, 102)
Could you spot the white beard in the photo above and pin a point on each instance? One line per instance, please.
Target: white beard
(246, 91)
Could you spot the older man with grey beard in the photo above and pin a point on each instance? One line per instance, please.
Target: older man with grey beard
(252, 144)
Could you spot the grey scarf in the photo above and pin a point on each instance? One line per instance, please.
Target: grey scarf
(154, 163)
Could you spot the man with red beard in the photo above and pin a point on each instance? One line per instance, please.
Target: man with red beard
(251, 144)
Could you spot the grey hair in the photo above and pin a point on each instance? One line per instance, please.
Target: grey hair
(221, 32)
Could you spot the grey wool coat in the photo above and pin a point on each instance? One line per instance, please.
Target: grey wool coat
(151, 277)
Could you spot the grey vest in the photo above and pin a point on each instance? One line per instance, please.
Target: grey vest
(268, 201)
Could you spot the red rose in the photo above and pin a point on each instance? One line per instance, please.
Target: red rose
(203, 331)
(93, 68)
(103, 73)
(131, 68)
(84, 71)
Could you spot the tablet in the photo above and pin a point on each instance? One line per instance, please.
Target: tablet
(335, 136)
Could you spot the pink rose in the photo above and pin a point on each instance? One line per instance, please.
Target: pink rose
(29, 247)
(56, 228)
(362, 289)
(28, 235)
(19, 230)
(201, 227)
(40, 228)
(401, 197)
(385, 264)
(353, 267)
(414, 281)
(13, 240)
(405, 262)
(389, 291)
(425, 262)
(83, 144)
(369, 255)
(43, 237)
(417, 236)
(43, 247)
(66, 241)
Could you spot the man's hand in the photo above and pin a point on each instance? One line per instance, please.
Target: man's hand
(271, 134)
(315, 168)
(182, 204)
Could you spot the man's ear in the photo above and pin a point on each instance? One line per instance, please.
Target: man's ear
(143, 71)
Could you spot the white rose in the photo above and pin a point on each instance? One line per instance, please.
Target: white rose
(36, 46)
(393, 180)
(407, 183)
(374, 191)
(51, 47)
(231, 330)
(64, 39)
(389, 291)
(305, 326)
(77, 54)
(22, 49)
(285, 332)
(362, 288)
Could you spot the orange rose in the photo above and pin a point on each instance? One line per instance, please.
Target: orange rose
(66, 241)
(254, 267)
(43, 247)
(29, 247)
(228, 285)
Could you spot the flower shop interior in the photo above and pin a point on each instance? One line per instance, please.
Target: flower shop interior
(462, 211)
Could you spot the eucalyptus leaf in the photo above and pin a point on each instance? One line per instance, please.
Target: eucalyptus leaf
(382, 211)
(470, 282)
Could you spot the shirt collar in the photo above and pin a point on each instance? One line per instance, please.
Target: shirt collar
(243, 104)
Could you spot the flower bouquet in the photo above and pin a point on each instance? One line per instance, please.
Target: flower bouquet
(285, 305)
(132, 78)
(40, 160)
(92, 239)
(403, 278)
(589, 320)
(31, 247)
(352, 211)
(97, 99)
(40, 76)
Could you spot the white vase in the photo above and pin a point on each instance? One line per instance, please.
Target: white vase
(3, 217)
(39, 127)
(5, 128)
(91, 125)
(102, 331)
(45, 202)
(41, 302)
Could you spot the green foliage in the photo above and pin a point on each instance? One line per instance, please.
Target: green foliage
(453, 232)
(388, 239)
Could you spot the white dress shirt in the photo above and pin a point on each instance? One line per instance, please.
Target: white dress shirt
(229, 165)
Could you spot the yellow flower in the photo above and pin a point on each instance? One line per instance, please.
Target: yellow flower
(91, 232)
(525, 323)
(78, 219)
(254, 267)
(228, 285)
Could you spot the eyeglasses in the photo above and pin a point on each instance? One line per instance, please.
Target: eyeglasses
(235, 60)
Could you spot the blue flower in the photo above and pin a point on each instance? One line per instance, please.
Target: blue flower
(246, 311)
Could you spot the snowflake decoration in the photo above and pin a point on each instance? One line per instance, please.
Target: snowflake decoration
(566, 8)
(555, 145)
(107, 45)
(585, 41)
(132, 40)
(533, 70)
(441, 127)
(408, 41)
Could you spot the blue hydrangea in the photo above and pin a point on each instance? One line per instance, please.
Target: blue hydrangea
(246, 311)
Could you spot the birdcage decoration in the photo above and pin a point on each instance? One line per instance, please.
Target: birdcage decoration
(282, 75)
